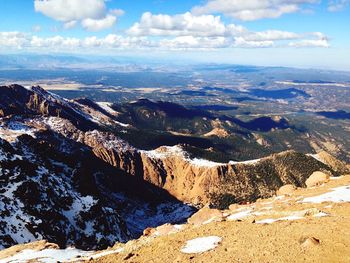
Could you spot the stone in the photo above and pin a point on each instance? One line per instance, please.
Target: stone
(316, 179)
(310, 242)
(287, 189)
(166, 229)
(205, 216)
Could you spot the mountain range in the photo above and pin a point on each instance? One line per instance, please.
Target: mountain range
(70, 175)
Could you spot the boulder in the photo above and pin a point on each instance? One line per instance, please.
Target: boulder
(205, 215)
(310, 242)
(149, 231)
(167, 229)
(317, 178)
(287, 189)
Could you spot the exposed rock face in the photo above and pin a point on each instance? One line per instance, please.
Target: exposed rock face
(223, 184)
(336, 164)
(16, 100)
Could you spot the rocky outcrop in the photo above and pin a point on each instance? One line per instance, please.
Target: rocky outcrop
(333, 162)
(317, 178)
(223, 184)
(17, 100)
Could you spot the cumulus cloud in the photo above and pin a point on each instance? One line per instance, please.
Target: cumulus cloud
(18, 40)
(249, 10)
(68, 10)
(14, 39)
(210, 31)
(92, 14)
(197, 43)
(117, 12)
(337, 5)
(178, 25)
(99, 24)
(244, 43)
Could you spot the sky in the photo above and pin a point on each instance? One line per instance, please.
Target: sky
(300, 33)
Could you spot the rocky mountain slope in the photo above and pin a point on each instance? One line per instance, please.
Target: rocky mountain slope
(69, 178)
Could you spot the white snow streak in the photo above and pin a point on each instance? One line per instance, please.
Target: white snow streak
(201, 244)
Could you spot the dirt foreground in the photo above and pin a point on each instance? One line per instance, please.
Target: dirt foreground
(321, 235)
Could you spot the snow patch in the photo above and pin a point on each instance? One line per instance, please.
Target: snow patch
(271, 220)
(321, 214)
(240, 215)
(10, 131)
(255, 161)
(201, 244)
(338, 195)
(206, 163)
(169, 151)
(47, 255)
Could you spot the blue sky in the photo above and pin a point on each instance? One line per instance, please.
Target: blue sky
(301, 33)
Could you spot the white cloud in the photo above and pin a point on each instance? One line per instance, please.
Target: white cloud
(117, 12)
(68, 10)
(99, 24)
(92, 14)
(244, 43)
(178, 25)
(13, 39)
(271, 35)
(208, 31)
(338, 5)
(191, 42)
(249, 10)
(323, 43)
(18, 40)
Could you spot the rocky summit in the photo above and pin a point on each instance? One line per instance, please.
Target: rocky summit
(68, 177)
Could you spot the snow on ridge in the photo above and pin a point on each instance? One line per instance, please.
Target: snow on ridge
(203, 162)
(10, 131)
(169, 151)
(107, 107)
(166, 151)
(255, 161)
(96, 116)
(109, 141)
(316, 156)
